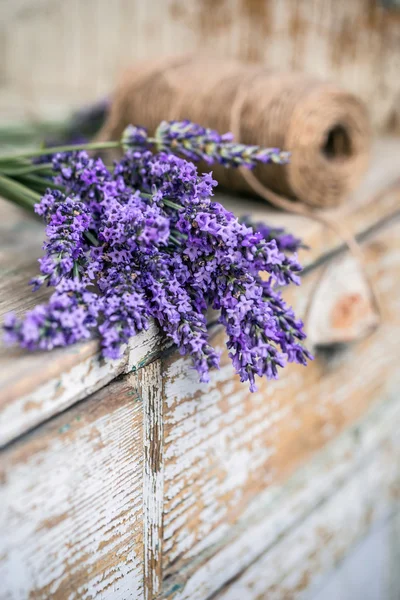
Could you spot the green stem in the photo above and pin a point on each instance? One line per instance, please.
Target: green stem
(28, 169)
(18, 193)
(37, 183)
(91, 238)
(56, 149)
(173, 239)
(171, 204)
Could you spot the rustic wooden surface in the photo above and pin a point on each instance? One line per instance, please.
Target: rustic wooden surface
(365, 499)
(220, 500)
(71, 503)
(55, 54)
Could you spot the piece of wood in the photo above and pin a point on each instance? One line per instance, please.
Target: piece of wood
(71, 503)
(35, 386)
(194, 481)
(342, 308)
(151, 385)
(224, 447)
(322, 538)
(293, 533)
(58, 55)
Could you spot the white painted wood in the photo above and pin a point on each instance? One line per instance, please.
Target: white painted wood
(71, 503)
(299, 529)
(72, 382)
(227, 452)
(153, 476)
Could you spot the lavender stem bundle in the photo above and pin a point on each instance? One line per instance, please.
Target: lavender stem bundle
(145, 240)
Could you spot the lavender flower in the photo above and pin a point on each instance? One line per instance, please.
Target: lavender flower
(199, 143)
(67, 220)
(124, 308)
(69, 316)
(134, 137)
(286, 242)
(149, 236)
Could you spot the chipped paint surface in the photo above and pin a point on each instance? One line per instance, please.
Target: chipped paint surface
(97, 506)
(295, 532)
(153, 474)
(73, 383)
(322, 538)
(71, 499)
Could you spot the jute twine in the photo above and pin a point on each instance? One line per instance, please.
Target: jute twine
(325, 128)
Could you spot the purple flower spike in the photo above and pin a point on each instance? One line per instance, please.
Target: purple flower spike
(68, 219)
(200, 143)
(69, 317)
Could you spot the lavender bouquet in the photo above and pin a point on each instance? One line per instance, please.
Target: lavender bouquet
(143, 239)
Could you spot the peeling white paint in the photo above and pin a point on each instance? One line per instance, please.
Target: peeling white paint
(72, 511)
(350, 478)
(71, 385)
(153, 477)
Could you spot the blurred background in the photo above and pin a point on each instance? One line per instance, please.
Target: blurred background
(58, 55)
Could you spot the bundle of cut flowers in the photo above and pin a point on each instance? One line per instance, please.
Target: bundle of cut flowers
(143, 239)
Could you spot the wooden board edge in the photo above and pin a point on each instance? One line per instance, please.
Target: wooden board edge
(150, 380)
(20, 412)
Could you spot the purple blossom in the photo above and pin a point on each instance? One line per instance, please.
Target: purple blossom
(69, 316)
(149, 235)
(67, 221)
(194, 143)
(124, 310)
(286, 242)
(134, 137)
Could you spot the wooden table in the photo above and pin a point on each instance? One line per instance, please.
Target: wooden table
(130, 479)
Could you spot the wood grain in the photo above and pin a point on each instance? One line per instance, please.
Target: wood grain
(224, 446)
(151, 385)
(294, 533)
(367, 498)
(71, 503)
(57, 55)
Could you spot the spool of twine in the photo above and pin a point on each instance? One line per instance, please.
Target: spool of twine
(325, 128)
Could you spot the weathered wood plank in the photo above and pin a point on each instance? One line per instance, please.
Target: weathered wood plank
(325, 536)
(71, 503)
(39, 385)
(357, 473)
(151, 386)
(224, 447)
